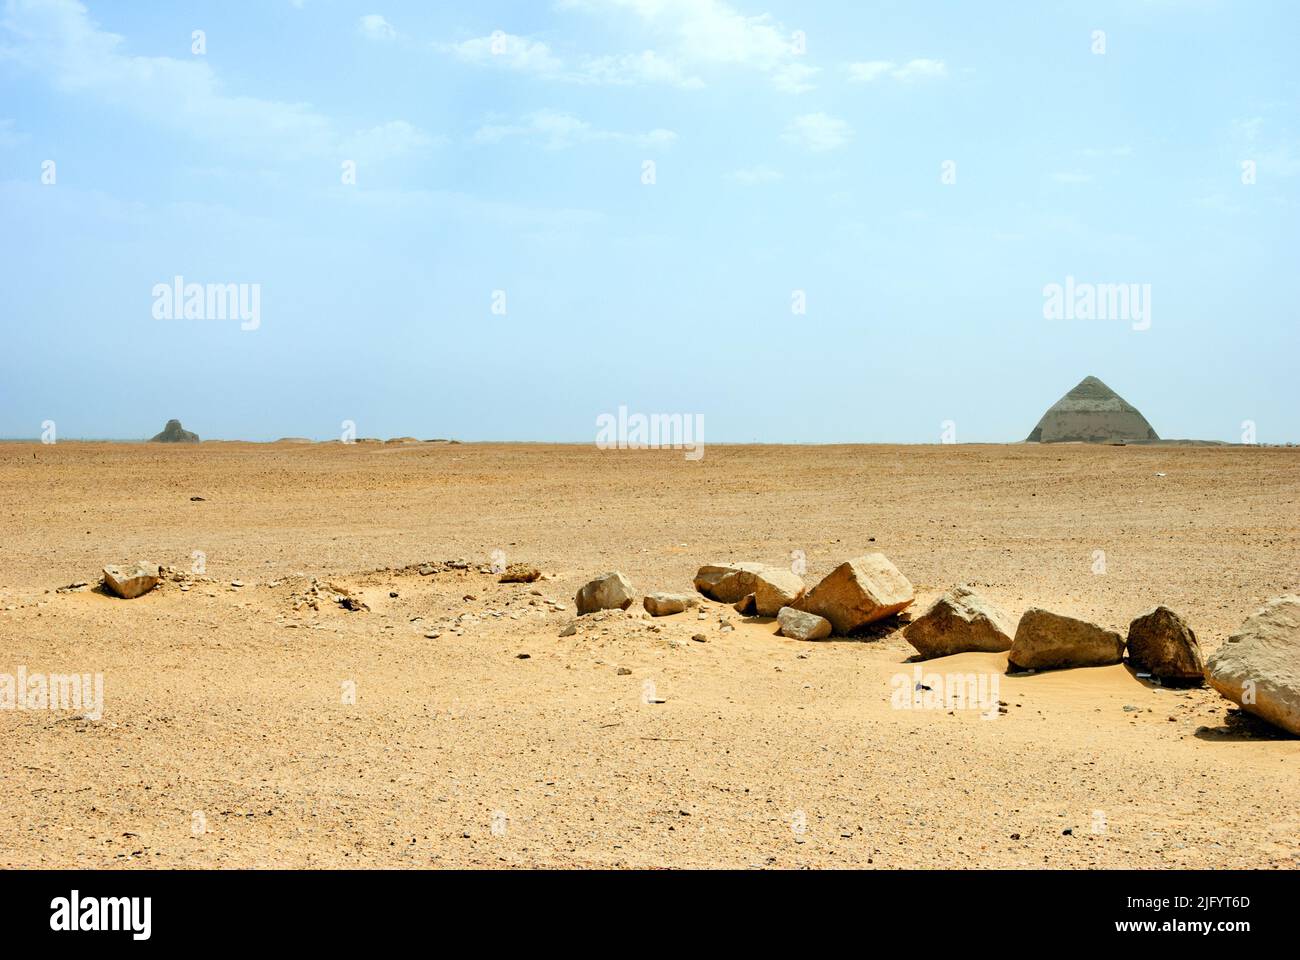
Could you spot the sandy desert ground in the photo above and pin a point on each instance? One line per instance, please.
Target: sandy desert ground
(225, 708)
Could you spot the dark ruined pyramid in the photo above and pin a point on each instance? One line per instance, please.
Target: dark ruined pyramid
(175, 433)
(1092, 413)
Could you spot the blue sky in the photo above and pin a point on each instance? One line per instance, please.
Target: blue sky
(796, 146)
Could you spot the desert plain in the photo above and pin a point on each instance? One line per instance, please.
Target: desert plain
(260, 725)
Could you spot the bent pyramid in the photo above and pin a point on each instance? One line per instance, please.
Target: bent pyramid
(1091, 413)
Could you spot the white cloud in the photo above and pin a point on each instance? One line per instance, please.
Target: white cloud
(9, 134)
(697, 35)
(442, 205)
(705, 31)
(58, 40)
(375, 27)
(508, 51)
(754, 176)
(557, 130)
(395, 138)
(817, 132)
(1259, 139)
(1218, 203)
(869, 71)
(794, 78)
(920, 70)
(522, 54)
(636, 68)
(712, 34)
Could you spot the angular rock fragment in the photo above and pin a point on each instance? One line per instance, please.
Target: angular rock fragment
(726, 582)
(800, 625)
(519, 573)
(775, 588)
(609, 591)
(666, 604)
(1258, 667)
(960, 621)
(131, 581)
(1049, 641)
(859, 591)
(1162, 642)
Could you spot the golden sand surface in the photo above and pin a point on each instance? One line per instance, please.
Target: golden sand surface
(245, 726)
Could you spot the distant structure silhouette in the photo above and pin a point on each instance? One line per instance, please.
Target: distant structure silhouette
(1092, 413)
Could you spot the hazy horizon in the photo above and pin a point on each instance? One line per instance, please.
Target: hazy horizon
(804, 223)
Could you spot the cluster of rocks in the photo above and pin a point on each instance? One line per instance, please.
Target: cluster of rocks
(132, 580)
(1257, 668)
(515, 607)
(858, 592)
(514, 573)
(318, 590)
(1159, 642)
(428, 568)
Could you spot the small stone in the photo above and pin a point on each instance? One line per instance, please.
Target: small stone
(609, 591)
(133, 581)
(666, 604)
(624, 672)
(700, 638)
(726, 582)
(519, 573)
(800, 625)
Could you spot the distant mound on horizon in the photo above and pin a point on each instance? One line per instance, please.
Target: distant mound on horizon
(1092, 413)
(175, 433)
